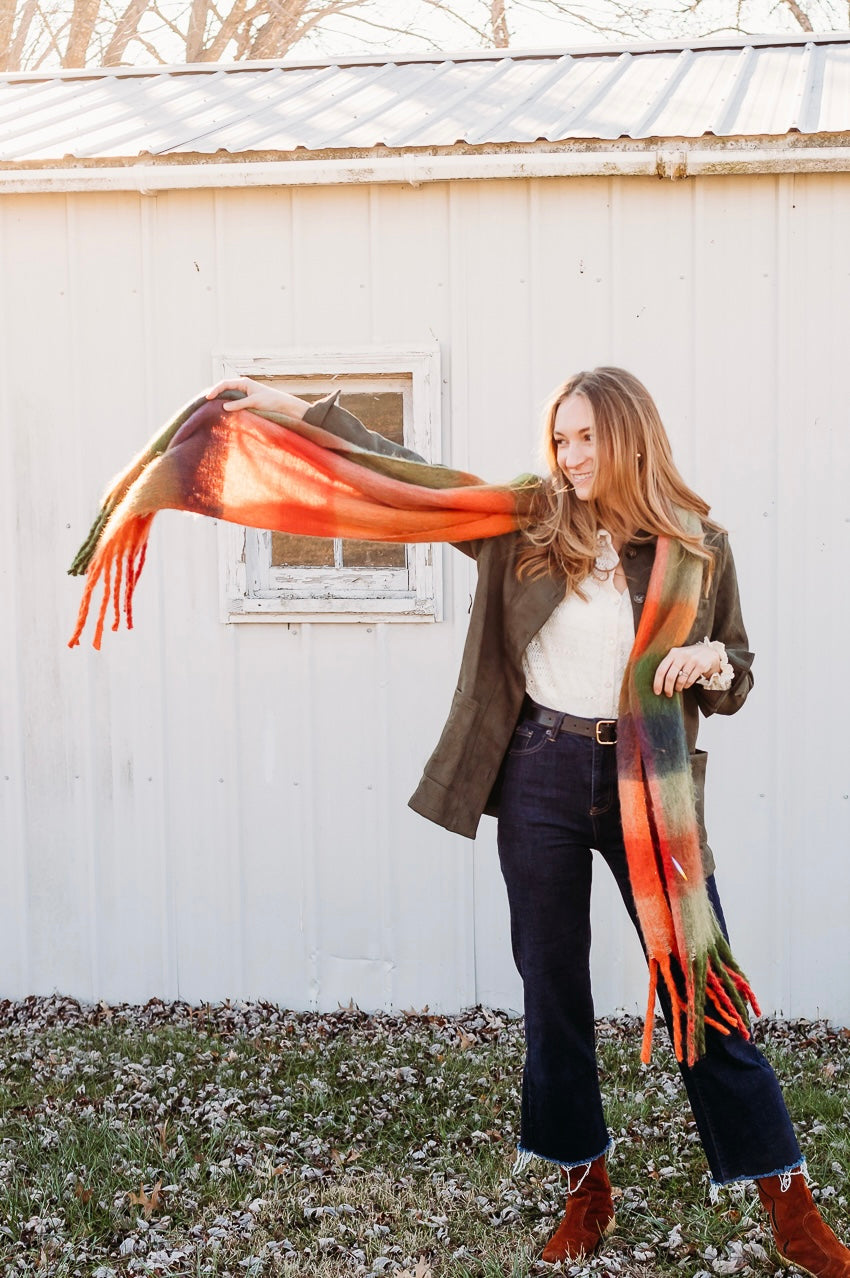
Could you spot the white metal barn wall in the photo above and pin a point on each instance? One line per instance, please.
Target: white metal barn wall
(207, 811)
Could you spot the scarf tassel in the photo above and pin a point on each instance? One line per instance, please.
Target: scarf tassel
(714, 978)
(649, 1022)
(679, 1007)
(118, 563)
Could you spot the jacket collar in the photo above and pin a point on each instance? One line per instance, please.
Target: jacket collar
(532, 603)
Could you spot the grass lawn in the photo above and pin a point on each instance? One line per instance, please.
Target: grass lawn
(245, 1140)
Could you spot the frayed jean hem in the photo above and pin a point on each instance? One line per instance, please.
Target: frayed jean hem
(525, 1156)
(716, 1185)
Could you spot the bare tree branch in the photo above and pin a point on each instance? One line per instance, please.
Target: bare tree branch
(52, 36)
(801, 17)
(125, 30)
(499, 24)
(167, 23)
(229, 26)
(445, 7)
(408, 32)
(155, 54)
(290, 21)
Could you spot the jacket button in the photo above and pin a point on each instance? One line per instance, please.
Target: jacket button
(631, 553)
(638, 598)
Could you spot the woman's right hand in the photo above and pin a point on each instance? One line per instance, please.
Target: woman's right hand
(263, 398)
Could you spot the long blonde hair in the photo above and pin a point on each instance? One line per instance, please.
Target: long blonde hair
(639, 491)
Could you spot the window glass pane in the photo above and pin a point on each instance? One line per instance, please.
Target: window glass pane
(373, 554)
(382, 411)
(290, 551)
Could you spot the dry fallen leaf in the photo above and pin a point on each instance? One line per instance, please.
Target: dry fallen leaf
(465, 1040)
(162, 1132)
(82, 1193)
(422, 1270)
(350, 1157)
(148, 1205)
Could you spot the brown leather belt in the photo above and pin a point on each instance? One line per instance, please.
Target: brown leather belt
(604, 731)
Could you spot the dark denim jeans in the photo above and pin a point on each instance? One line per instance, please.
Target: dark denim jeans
(559, 801)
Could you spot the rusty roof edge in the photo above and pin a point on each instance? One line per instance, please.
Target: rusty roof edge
(460, 151)
(670, 159)
(732, 41)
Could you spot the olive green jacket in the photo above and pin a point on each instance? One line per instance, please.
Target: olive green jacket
(461, 778)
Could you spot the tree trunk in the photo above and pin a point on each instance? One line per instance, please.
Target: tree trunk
(83, 19)
(15, 56)
(7, 23)
(499, 25)
(275, 36)
(197, 30)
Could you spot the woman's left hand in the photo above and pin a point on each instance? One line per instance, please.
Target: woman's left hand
(683, 666)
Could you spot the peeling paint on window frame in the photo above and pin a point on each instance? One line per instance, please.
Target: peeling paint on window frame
(251, 589)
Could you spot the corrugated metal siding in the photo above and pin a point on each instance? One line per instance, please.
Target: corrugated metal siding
(212, 811)
(737, 91)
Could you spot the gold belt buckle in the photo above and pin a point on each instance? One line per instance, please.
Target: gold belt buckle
(606, 723)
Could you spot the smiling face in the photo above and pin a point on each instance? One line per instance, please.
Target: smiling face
(573, 434)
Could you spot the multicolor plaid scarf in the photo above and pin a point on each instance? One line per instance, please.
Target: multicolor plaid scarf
(269, 471)
(683, 938)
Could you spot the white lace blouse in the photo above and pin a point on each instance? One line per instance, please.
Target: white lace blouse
(576, 661)
(578, 657)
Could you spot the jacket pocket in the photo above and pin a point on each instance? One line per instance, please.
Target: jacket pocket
(453, 748)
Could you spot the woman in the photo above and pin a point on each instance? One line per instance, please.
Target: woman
(532, 736)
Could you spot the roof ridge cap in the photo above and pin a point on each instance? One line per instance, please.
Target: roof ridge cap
(400, 57)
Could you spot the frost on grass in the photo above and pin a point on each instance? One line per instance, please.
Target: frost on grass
(244, 1139)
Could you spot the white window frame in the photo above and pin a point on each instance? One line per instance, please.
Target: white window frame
(254, 591)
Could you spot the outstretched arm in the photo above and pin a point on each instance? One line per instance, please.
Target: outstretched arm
(338, 421)
(259, 397)
(326, 413)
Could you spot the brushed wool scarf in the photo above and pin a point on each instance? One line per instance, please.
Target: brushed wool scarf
(265, 470)
(684, 941)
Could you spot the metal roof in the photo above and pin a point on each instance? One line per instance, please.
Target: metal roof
(725, 89)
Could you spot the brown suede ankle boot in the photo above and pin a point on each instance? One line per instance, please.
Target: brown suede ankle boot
(802, 1236)
(589, 1215)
